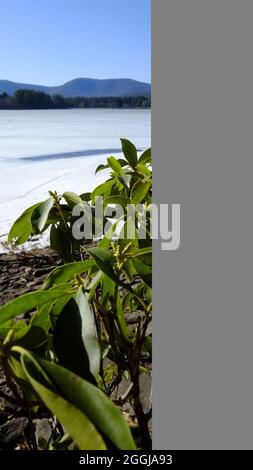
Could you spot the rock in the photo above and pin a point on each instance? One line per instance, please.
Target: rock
(36, 282)
(11, 431)
(43, 430)
(121, 389)
(42, 271)
(28, 270)
(132, 318)
(145, 392)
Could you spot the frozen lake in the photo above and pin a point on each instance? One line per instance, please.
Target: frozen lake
(59, 150)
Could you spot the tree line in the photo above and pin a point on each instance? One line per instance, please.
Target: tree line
(30, 99)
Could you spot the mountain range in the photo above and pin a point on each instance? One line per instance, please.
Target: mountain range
(88, 87)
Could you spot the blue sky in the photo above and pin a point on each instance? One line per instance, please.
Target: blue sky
(52, 41)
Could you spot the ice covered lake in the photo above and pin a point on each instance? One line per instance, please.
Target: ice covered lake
(44, 150)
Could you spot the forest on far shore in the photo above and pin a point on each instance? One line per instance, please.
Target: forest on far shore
(30, 99)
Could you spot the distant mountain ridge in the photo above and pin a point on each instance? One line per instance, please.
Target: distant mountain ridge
(87, 87)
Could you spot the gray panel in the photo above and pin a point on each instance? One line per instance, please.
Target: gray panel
(203, 293)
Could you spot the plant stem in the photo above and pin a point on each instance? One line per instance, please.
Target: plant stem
(20, 402)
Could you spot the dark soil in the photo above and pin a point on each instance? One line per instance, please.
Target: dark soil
(24, 272)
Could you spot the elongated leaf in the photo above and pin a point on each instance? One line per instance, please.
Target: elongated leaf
(41, 213)
(107, 290)
(66, 272)
(94, 284)
(143, 171)
(20, 376)
(144, 271)
(71, 417)
(22, 228)
(60, 242)
(146, 156)
(130, 152)
(72, 199)
(32, 337)
(57, 308)
(125, 179)
(103, 189)
(128, 233)
(75, 337)
(121, 200)
(28, 302)
(121, 319)
(10, 325)
(139, 191)
(93, 403)
(101, 168)
(109, 235)
(42, 317)
(129, 269)
(136, 252)
(104, 261)
(115, 165)
(122, 162)
(85, 197)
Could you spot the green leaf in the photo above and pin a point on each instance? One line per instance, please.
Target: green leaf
(130, 152)
(71, 417)
(115, 165)
(9, 325)
(136, 252)
(139, 191)
(144, 271)
(128, 233)
(121, 200)
(27, 302)
(94, 284)
(122, 162)
(146, 156)
(72, 199)
(56, 309)
(100, 168)
(128, 269)
(85, 197)
(143, 170)
(41, 213)
(32, 337)
(148, 294)
(75, 337)
(41, 318)
(125, 179)
(103, 189)
(109, 235)
(108, 288)
(93, 403)
(60, 242)
(64, 273)
(127, 302)
(104, 261)
(22, 228)
(121, 319)
(19, 374)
